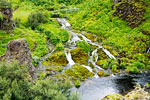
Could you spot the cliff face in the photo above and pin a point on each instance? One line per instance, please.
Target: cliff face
(18, 50)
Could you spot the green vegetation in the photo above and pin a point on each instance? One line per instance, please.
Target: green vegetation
(96, 16)
(35, 19)
(122, 28)
(83, 45)
(79, 56)
(15, 84)
(57, 58)
(78, 72)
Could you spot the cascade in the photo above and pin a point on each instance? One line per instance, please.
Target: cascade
(75, 37)
(69, 58)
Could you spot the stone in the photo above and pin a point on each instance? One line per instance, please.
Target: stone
(18, 50)
(7, 23)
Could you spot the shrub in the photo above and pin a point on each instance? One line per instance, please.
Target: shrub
(13, 82)
(52, 90)
(35, 19)
(16, 85)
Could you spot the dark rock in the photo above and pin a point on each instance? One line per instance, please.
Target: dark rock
(18, 50)
(7, 23)
(131, 12)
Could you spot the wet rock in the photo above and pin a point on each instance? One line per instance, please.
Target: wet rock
(100, 73)
(78, 72)
(79, 56)
(58, 58)
(18, 50)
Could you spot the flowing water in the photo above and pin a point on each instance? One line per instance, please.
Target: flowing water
(96, 87)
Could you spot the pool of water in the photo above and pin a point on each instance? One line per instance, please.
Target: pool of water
(96, 89)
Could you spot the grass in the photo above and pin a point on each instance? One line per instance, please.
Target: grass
(96, 17)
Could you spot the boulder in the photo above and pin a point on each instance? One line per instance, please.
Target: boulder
(18, 50)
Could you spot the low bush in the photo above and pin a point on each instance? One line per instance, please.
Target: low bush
(15, 84)
(36, 19)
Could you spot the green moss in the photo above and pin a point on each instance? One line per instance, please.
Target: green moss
(101, 55)
(60, 76)
(112, 97)
(57, 58)
(91, 37)
(106, 74)
(54, 69)
(103, 63)
(132, 69)
(78, 72)
(59, 46)
(77, 84)
(83, 45)
(100, 73)
(79, 56)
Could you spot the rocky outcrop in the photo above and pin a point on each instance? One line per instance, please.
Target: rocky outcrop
(131, 11)
(18, 50)
(7, 22)
(137, 94)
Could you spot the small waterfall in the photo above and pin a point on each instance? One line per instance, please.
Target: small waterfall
(91, 70)
(96, 44)
(94, 54)
(67, 26)
(108, 54)
(69, 58)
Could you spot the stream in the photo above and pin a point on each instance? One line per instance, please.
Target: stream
(95, 88)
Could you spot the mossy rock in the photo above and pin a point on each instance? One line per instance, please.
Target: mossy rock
(112, 97)
(54, 69)
(91, 36)
(101, 54)
(100, 73)
(78, 72)
(132, 69)
(106, 74)
(132, 12)
(79, 56)
(110, 50)
(103, 63)
(91, 65)
(60, 76)
(57, 58)
(77, 84)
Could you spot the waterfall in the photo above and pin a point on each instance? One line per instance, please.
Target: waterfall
(69, 58)
(108, 54)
